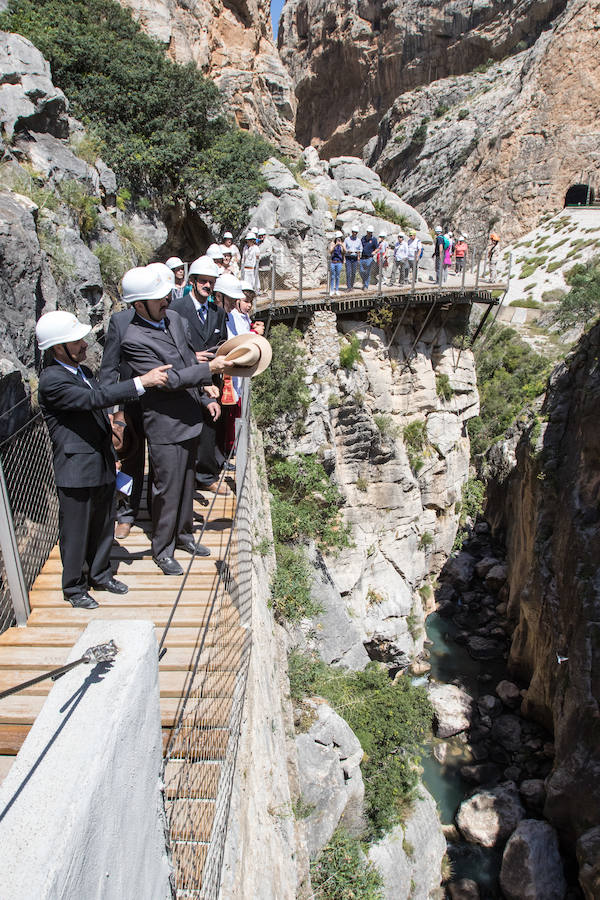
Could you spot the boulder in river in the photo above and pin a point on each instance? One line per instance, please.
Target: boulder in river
(452, 709)
(509, 693)
(464, 889)
(531, 864)
(490, 816)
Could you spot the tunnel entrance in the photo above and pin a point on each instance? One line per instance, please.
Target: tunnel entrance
(579, 195)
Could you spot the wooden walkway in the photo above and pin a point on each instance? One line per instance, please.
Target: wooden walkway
(54, 627)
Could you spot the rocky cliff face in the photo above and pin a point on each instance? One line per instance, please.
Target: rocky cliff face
(543, 499)
(403, 511)
(499, 148)
(350, 61)
(230, 41)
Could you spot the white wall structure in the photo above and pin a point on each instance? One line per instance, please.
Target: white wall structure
(81, 810)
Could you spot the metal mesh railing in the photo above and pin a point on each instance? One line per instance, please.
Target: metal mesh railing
(201, 754)
(30, 494)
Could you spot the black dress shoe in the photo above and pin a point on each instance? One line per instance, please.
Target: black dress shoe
(82, 601)
(168, 565)
(112, 585)
(191, 547)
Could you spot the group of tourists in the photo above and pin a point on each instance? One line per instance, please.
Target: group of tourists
(171, 378)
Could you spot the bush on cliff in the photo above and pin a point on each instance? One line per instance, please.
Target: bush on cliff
(581, 306)
(341, 872)
(282, 390)
(391, 719)
(158, 124)
(509, 376)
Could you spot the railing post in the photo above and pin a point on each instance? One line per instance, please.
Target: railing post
(415, 264)
(464, 272)
(273, 279)
(11, 558)
(477, 272)
(328, 270)
(380, 281)
(300, 273)
(508, 274)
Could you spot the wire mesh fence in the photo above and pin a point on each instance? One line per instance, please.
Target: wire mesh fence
(26, 458)
(201, 754)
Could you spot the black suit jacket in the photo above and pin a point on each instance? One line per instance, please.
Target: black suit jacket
(172, 414)
(79, 428)
(113, 367)
(207, 335)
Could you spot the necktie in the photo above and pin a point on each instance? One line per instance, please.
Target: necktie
(82, 376)
(202, 314)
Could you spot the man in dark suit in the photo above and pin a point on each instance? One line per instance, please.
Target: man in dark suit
(112, 370)
(208, 328)
(73, 403)
(173, 418)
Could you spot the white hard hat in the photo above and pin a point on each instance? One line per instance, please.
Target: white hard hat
(382, 234)
(227, 234)
(251, 236)
(147, 283)
(261, 231)
(230, 286)
(462, 237)
(355, 227)
(438, 229)
(338, 234)
(246, 286)
(174, 262)
(449, 234)
(215, 251)
(59, 327)
(164, 271)
(401, 234)
(204, 265)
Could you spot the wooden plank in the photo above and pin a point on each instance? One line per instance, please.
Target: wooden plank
(190, 819)
(144, 564)
(31, 637)
(136, 598)
(12, 737)
(32, 658)
(153, 580)
(22, 709)
(211, 711)
(194, 780)
(188, 616)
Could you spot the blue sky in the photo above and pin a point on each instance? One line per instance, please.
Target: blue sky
(276, 7)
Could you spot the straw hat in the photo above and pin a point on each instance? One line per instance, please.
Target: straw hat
(250, 352)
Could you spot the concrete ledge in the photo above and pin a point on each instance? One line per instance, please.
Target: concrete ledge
(81, 811)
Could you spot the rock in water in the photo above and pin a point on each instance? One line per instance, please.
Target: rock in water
(489, 817)
(452, 709)
(531, 864)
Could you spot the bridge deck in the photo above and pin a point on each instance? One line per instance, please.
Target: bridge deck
(54, 627)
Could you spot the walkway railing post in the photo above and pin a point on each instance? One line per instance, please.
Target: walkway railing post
(273, 279)
(413, 282)
(300, 273)
(477, 273)
(11, 558)
(464, 272)
(380, 280)
(508, 273)
(328, 270)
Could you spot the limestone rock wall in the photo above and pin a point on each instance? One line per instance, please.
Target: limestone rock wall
(544, 500)
(498, 148)
(231, 42)
(349, 61)
(403, 520)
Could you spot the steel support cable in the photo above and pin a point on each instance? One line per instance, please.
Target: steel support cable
(101, 653)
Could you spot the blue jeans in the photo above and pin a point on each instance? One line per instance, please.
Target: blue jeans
(336, 271)
(365, 271)
(351, 265)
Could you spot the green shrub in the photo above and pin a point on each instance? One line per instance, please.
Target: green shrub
(382, 317)
(158, 124)
(553, 295)
(443, 388)
(82, 204)
(341, 872)
(113, 264)
(384, 211)
(139, 248)
(473, 498)
(291, 585)
(509, 376)
(282, 388)
(526, 303)
(62, 265)
(305, 502)
(386, 427)
(419, 135)
(350, 352)
(463, 114)
(362, 484)
(390, 719)
(581, 305)
(416, 443)
(440, 110)
(88, 147)
(333, 400)
(123, 198)
(425, 541)
(553, 266)
(32, 186)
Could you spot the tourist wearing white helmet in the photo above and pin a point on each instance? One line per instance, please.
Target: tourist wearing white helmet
(461, 250)
(73, 404)
(352, 252)
(265, 250)
(230, 265)
(235, 253)
(250, 257)
(215, 251)
(438, 253)
(400, 265)
(155, 279)
(381, 254)
(336, 260)
(172, 418)
(178, 268)
(208, 329)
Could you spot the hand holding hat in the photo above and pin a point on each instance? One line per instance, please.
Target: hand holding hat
(250, 354)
